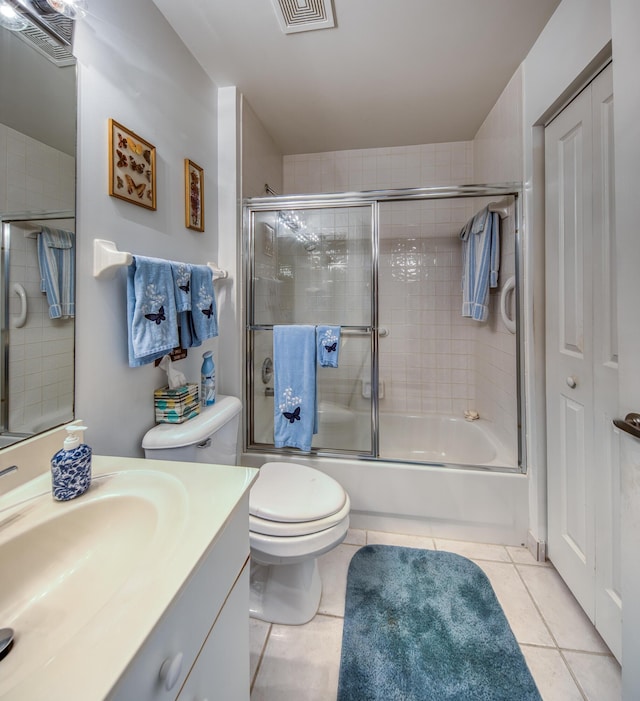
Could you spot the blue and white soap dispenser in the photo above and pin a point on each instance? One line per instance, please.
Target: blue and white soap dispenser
(71, 466)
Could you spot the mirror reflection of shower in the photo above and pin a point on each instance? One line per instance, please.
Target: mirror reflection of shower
(38, 343)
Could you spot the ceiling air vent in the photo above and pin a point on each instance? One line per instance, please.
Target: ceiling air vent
(304, 15)
(48, 47)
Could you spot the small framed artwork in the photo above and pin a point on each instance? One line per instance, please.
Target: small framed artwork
(132, 167)
(194, 195)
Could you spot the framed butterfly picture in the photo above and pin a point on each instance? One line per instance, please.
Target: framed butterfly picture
(132, 167)
(194, 196)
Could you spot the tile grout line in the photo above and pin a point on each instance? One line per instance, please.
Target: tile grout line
(260, 657)
(553, 637)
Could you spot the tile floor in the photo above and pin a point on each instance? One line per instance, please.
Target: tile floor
(567, 658)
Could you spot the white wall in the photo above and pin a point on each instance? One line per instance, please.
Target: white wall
(132, 67)
(574, 38)
(261, 157)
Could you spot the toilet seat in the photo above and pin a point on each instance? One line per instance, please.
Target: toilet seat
(286, 494)
(299, 528)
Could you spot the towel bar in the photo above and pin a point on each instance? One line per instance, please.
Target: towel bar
(107, 259)
(501, 207)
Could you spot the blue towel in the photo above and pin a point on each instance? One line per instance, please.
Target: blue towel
(328, 345)
(57, 261)
(480, 262)
(181, 273)
(200, 321)
(294, 406)
(151, 310)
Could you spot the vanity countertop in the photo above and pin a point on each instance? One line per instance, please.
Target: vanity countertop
(94, 575)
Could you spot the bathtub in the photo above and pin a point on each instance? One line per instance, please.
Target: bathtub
(434, 438)
(468, 500)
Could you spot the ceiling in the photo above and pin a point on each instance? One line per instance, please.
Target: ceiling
(391, 73)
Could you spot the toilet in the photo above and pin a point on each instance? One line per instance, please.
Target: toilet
(296, 513)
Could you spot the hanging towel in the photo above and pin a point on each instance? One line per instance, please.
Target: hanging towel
(181, 273)
(201, 322)
(480, 262)
(57, 261)
(294, 406)
(328, 345)
(151, 310)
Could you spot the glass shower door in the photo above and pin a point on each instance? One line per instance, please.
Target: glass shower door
(313, 266)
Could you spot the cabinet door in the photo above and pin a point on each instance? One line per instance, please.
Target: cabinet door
(221, 671)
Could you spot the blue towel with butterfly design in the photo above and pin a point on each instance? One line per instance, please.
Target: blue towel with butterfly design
(328, 345)
(151, 310)
(182, 280)
(295, 415)
(198, 315)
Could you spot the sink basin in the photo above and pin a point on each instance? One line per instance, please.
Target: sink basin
(63, 561)
(83, 583)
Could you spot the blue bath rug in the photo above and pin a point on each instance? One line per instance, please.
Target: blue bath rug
(423, 625)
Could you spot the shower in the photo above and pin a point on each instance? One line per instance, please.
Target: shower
(417, 382)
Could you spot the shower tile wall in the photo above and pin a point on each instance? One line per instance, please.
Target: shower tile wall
(433, 359)
(379, 168)
(34, 176)
(427, 361)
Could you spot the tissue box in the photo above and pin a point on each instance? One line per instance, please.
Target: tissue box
(174, 406)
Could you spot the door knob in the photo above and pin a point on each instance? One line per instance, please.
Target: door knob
(170, 671)
(571, 381)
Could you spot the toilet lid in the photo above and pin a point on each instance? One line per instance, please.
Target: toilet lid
(289, 492)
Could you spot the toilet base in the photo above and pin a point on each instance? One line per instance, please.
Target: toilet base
(286, 594)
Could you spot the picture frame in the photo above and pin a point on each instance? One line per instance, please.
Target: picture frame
(194, 195)
(132, 167)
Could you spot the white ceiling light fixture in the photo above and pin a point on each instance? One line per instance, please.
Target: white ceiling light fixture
(74, 9)
(11, 19)
(303, 15)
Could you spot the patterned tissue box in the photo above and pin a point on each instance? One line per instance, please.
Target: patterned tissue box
(174, 406)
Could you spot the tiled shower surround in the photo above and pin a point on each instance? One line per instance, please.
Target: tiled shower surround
(433, 359)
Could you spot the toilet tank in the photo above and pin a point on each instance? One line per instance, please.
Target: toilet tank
(210, 437)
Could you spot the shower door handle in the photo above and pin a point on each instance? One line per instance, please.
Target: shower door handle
(508, 286)
(22, 316)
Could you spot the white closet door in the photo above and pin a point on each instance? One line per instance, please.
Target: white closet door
(570, 464)
(581, 347)
(608, 607)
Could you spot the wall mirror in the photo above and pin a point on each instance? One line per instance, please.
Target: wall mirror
(37, 189)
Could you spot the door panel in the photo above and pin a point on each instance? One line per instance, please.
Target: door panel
(314, 266)
(608, 609)
(582, 356)
(569, 350)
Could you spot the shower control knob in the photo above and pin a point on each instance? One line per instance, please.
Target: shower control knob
(572, 382)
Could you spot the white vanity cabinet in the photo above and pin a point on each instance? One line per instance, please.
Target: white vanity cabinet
(199, 650)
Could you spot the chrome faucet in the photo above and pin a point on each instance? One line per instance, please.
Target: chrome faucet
(8, 470)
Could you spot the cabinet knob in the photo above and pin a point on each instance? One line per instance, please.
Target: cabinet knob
(572, 382)
(170, 671)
